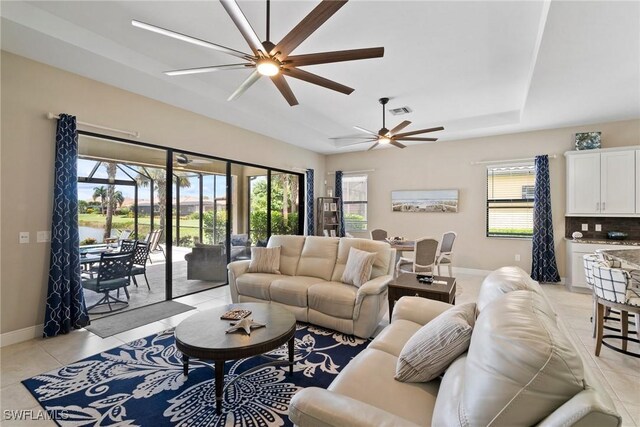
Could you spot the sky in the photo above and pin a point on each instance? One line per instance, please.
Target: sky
(85, 190)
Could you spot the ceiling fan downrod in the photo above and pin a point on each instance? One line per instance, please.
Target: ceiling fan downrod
(384, 102)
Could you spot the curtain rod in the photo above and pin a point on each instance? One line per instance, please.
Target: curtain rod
(528, 159)
(349, 172)
(52, 116)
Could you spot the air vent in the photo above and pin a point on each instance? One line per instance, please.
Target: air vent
(400, 111)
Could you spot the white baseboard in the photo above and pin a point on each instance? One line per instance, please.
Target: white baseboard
(20, 335)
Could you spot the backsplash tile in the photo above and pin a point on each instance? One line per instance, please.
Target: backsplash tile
(631, 226)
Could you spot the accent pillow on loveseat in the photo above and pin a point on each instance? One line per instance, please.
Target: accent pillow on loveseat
(358, 268)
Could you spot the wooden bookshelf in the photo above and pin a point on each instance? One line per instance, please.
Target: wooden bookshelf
(328, 216)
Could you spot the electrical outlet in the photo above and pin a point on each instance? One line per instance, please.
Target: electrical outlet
(598, 227)
(43, 236)
(517, 257)
(23, 237)
(585, 227)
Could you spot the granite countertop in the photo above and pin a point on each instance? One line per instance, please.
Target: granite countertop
(606, 241)
(631, 256)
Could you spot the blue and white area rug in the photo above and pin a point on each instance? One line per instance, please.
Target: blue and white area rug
(141, 384)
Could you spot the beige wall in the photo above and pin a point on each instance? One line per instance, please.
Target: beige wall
(447, 165)
(29, 91)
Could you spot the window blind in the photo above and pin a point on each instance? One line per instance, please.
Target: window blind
(354, 195)
(510, 200)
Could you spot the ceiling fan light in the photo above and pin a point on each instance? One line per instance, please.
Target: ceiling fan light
(384, 140)
(268, 67)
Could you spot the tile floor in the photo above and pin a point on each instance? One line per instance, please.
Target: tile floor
(619, 374)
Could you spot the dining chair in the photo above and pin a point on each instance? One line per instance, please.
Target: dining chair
(445, 255)
(425, 256)
(140, 255)
(612, 288)
(378, 234)
(114, 272)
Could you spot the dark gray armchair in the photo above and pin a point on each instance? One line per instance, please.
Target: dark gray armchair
(207, 262)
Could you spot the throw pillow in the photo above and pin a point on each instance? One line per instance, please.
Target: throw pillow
(358, 268)
(436, 345)
(265, 260)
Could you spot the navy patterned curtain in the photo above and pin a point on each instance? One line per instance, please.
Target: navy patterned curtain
(543, 266)
(339, 195)
(310, 197)
(66, 308)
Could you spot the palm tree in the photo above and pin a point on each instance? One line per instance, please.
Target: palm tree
(100, 192)
(111, 188)
(158, 176)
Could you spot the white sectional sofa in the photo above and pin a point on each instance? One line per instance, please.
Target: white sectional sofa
(520, 370)
(310, 286)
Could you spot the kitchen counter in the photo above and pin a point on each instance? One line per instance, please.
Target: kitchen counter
(631, 256)
(605, 241)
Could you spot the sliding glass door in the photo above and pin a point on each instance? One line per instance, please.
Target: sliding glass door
(194, 213)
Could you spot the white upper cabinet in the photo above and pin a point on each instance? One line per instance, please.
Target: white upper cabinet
(603, 182)
(583, 183)
(638, 181)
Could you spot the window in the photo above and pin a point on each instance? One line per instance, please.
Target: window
(510, 200)
(354, 199)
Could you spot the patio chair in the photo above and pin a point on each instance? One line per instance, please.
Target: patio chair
(425, 255)
(154, 243)
(128, 245)
(114, 272)
(140, 256)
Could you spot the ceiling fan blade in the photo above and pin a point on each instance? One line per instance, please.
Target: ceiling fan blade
(366, 131)
(284, 89)
(335, 56)
(397, 144)
(199, 70)
(317, 80)
(307, 26)
(358, 136)
(349, 144)
(243, 25)
(189, 39)
(415, 132)
(245, 85)
(399, 127)
(373, 146)
(415, 139)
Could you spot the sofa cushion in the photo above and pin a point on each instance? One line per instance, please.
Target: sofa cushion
(509, 279)
(393, 338)
(318, 257)
(369, 378)
(265, 260)
(256, 284)
(380, 264)
(520, 366)
(358, 268)
(291, 247)
(292, 290)
(431, 350)
(333, 298)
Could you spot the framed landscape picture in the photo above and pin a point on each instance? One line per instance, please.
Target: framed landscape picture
(425, 201)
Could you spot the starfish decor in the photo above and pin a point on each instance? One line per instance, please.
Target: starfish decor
(246, 324)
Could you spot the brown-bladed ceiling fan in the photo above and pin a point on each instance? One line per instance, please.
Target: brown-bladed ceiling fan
(274, 60)
(386, 136)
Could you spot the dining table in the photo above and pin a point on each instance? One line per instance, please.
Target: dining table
(401, 246)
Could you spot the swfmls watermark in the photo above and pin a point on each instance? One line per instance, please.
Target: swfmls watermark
(34, 414)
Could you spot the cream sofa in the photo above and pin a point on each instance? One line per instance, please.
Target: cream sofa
(520, 370)
(310, 286)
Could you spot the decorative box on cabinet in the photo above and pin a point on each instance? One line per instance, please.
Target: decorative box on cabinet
(603, 182)
(328, 216)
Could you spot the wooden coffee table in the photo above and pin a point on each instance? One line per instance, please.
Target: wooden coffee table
(406, 284)
(203, 336)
